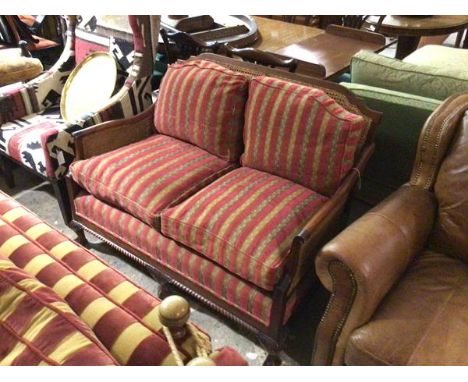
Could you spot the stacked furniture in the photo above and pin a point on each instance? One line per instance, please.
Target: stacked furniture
(398, 276)
(228, 186)
(33, 133)
(406, 92)
(61, 305)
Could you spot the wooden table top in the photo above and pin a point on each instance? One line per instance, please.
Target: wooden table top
(310, 45)
(276, 34)
(422, 26)
(331, 51)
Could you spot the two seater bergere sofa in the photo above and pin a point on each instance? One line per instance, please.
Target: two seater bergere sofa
(228, 185)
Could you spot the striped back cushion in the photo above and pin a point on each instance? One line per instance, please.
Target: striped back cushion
(122, 315)
(300, 133)
(203, 103)
(38, 328)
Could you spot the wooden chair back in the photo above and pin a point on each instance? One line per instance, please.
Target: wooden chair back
(183, 45)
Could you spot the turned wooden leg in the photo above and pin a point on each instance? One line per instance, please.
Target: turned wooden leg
(272, 347)
(273, 359)
(165, 290)
(80, 236)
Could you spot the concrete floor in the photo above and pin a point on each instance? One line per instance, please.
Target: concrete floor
(38, 196)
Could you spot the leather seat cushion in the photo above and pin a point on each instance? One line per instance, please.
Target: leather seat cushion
(422, 321)
(148, 176)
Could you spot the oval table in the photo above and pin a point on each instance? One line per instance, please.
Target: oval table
(410, 29)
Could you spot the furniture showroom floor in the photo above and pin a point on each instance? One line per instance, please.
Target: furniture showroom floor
(38, 196)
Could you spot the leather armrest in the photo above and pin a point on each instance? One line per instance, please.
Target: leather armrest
(362, 263)
(108, 136)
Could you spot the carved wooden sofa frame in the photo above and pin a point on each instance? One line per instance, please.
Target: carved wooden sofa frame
(299, 270)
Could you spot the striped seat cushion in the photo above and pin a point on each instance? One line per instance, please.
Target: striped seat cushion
(301, 134)
(148, 176)
(203, 103)
(38, 328)
(156, 249)
(122, 315)
(244, 221)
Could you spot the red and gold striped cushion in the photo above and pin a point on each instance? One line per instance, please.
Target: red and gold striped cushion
(156, 248)
(148, 176)
(38, 328)
(300, 133)
(244, 221)
(203, 103)
(122, 315)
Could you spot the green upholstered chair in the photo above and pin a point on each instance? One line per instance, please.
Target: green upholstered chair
(407, 92)
(439, 56)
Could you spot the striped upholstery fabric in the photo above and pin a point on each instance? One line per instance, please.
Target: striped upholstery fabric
(25, 139)
(158, 249)
(300, 133)
(122, 315)
(244, 221)
(148, 176)
(38, 328)
(203, 103)
(17, 102)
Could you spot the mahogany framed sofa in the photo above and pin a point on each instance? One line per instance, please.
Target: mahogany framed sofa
(227, 186)
(398, 276)
(33, 133)
(62, 305)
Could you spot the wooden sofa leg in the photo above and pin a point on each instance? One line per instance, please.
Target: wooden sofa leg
(165, 290)
(80, 235)
(273, 359)
(7, 168)
(273, 349)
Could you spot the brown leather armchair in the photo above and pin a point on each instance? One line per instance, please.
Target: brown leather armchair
(398, 276)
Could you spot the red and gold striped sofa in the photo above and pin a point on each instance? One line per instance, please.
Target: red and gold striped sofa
(62, 305)
(228, 185)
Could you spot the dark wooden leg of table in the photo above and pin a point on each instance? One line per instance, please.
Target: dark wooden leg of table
(465, 42)
(406, 45)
